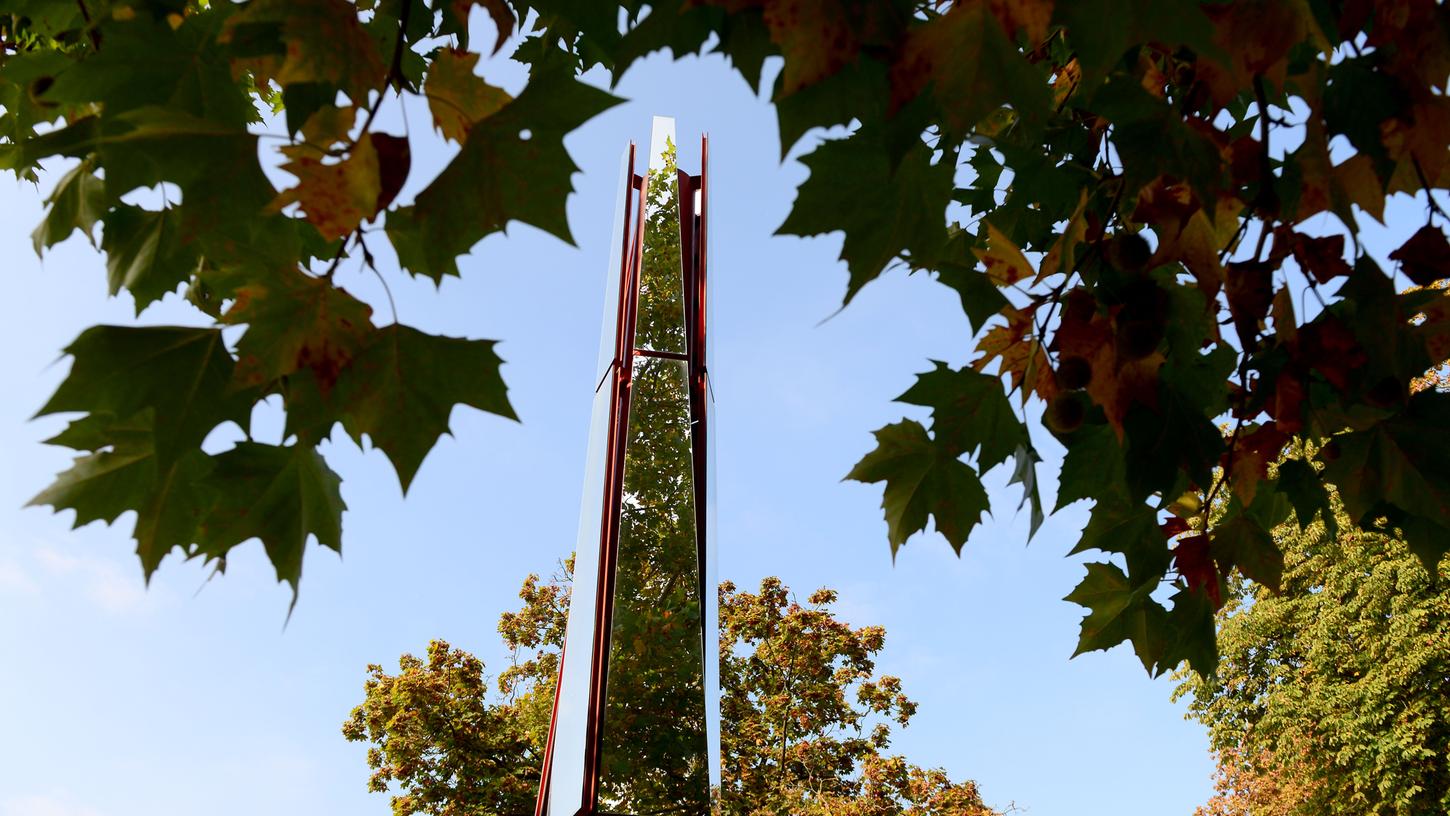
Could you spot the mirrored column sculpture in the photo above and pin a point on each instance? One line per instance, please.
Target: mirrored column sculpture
(635, 726)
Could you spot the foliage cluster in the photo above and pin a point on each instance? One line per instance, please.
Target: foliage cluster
(806, 721)
(1330, 697)
(1104, 184)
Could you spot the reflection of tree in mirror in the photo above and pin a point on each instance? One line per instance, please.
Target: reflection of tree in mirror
(653, 757)
(661, 323)
(807, 721)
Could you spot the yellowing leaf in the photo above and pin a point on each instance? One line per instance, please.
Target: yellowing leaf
(1004, 262)
(458, 97)
(1185, 233)
(1064, 247)
(328, 126)
(1256, 35)
(1357, 180)
(335, 198)
(1021, 353)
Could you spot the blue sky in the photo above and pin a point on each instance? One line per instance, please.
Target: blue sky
(188, 696)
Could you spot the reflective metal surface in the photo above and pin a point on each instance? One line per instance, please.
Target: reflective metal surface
(635, 727)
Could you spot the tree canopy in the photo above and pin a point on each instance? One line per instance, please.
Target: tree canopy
(1330, 697)
(807, 721)
(1118, 191)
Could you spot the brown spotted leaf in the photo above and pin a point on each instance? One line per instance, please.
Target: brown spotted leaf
(295, 322)
(336, 197)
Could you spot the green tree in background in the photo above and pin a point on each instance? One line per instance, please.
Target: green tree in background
(1116, 191)
(1332, 697)
(806, 720)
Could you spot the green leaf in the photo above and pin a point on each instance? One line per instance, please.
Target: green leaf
(956, 267)
(1131, 529)
(279, 494)
(1399, 463)
(77, 203)
(145, 62)
(1100, 31)
(169, 499)
(513, 167)
(1119, 611)
(1301, 485)
(858, 91)
(180, 373)
(214, 164)
(970, 413)
(145, 253)
(922, 479)
(884, 210)
(1092, 467)
(1024, 472)
(1165, 444)
(1242, 542)
(1191, 634)
(401, 389)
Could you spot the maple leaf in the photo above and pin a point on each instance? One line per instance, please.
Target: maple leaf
(1425, 258)
(854, 187)
(1322, 257)
(1118, 611)
(1130, 528)
(279, 494)
(122, 474)
(1092, 466)
(923, 479)
(1021, 353)
(324, 43)
(1252, 455)
(181, 374)
(1398, 463)
(148, 62)
(145, 254)
(1241, 542)
(401, 387)
(970, 67)
(77, 203)
(1301, 485)
(336, 198)
(1255, 37)
(818, 38)
(1193, 560)
(1060, 257)
(295, 321)
(970, 414)
(513, 166)
(457, 97)
(1004, 262)
(455, 20)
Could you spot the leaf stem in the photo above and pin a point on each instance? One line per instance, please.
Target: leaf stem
(395, 70)
(1433, 208)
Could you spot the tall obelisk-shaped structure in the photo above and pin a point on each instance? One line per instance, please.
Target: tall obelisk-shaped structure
(635, 727)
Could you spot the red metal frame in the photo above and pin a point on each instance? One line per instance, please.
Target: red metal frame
(693, 254)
